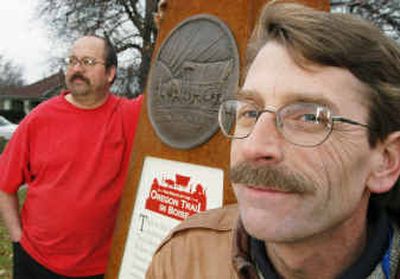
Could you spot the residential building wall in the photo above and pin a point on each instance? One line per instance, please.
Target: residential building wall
(339, 6)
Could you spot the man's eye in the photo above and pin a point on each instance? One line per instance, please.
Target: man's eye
(87, 61)
(71, 61)
(319, 118)
(310, 118)
(248, 113)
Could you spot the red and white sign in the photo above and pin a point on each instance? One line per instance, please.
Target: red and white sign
(176, 198)
(169, 191)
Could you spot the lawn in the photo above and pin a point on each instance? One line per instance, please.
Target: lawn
(5, 247)
(2, 144)
(5, 253)
(5, 244)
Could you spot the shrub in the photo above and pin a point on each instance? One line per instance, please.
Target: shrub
(3, 143)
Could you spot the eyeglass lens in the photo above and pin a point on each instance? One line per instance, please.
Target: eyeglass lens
(85, 61)
(305, 124)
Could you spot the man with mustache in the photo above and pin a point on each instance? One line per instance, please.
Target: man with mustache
(73, 153)
(315, 156)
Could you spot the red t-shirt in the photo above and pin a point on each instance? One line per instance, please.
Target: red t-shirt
(75, 163)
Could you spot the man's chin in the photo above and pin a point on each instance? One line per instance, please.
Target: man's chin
(257, 227)
(77, 92)
(262, 228)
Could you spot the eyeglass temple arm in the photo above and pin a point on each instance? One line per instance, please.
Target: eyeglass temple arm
(349, 121)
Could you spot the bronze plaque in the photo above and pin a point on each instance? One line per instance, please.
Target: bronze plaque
(196, 68)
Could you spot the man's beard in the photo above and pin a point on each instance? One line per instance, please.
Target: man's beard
(271, 178)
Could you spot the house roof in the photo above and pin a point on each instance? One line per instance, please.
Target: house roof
(41, 89)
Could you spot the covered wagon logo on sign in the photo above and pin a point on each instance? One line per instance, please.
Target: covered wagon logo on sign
(176, 197)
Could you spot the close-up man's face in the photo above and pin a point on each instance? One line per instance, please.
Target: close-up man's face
(304, 190)
(87, 79)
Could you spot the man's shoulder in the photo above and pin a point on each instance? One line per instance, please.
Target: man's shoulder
(206, 239)
(130, 108)
(130, 111)
(129, 103)
(219, 220)
(42, 110)
(49, 102)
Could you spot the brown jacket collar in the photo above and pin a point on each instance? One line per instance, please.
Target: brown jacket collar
(241, 252)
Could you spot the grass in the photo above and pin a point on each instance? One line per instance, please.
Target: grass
(5, 253)
(3, 143)
(5, 242)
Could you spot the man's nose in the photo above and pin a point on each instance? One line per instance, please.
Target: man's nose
(265, 141)
(77, 66)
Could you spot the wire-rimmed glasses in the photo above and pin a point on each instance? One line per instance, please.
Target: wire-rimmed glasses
(84, 62)
(301, 123)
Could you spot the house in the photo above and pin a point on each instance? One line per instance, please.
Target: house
(17, 102)
(340, 6)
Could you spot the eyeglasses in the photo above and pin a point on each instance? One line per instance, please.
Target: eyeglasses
(303, 124)
(84, 62)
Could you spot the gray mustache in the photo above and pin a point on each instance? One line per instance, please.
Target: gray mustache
(274, 178)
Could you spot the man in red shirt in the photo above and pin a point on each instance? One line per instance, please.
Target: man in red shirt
(73, 153)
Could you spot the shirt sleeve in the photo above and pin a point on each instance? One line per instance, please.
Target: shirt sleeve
(14, 160)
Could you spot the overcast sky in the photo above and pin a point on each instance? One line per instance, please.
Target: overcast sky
(24, 39)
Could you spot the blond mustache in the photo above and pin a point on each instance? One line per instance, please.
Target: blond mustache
(273, 178)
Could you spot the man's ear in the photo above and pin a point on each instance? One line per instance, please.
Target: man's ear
(386, 164)
(112, 71)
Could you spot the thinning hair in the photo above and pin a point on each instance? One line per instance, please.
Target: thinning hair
(110, 53)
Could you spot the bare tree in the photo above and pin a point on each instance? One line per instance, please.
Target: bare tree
(11, 75)
(127, 23)
(384, 13)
